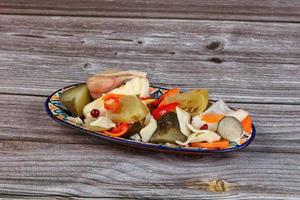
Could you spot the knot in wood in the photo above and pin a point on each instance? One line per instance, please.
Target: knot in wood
(216, 60)
(215, 45)
(219, 186)
(86, 66)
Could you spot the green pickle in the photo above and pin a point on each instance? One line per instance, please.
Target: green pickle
(168, 130)
(194, 101)
(75, 99)
(131, 110)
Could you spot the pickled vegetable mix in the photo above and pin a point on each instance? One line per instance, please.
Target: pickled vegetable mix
(121, 104)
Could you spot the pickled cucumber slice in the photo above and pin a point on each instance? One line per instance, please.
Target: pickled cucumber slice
(131, 110)
(136, 127)
(168, 130)
(75, 99)
(194, 101)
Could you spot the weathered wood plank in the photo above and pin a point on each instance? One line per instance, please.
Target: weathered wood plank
(88, 168)
(168, 49)
(31, 197)
(152, 39)
(25, 119)
(39, 74)
(41, 158)
(32, 168)
(165, 48)
(263, 10)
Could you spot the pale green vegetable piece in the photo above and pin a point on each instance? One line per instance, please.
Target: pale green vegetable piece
(75, 99)
(184, 119)
(168, 130)
(230, 128)
(193, 129)
(219, 107)
(144, 87)
(100, 124)
(131, 110)
(136, 86)
(203, 136)
(147, 132)
(194, 101)
(89, 120)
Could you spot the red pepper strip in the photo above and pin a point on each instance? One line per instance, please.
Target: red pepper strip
(160, 111)
(119, 127)
(112, 102)
(119, 130)
(156, 103)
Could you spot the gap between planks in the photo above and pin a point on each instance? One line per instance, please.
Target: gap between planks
(152, 18)
(263, 10)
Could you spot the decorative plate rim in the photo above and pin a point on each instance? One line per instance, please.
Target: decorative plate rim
(139, 144)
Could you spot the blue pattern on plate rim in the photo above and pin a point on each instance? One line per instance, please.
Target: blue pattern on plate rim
(60, 114)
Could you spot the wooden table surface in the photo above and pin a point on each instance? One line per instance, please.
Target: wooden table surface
(245, 52)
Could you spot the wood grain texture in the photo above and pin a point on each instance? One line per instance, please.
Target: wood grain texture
(249, 10)
(152, 39)
(44, 54)
(253, 63)
(83, 170)
(31, 74)
(42, 158)
(102, 171)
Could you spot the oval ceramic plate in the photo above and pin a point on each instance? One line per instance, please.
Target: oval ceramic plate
(60, 114)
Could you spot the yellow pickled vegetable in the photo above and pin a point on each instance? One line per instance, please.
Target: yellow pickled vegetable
(131, 110)
(194, 101)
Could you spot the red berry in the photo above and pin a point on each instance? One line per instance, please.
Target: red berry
(204, 127)
(95, 113)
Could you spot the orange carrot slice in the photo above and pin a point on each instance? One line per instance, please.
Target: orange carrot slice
(247, 124)
(171, 92)
(223, 144)
(212, 117)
